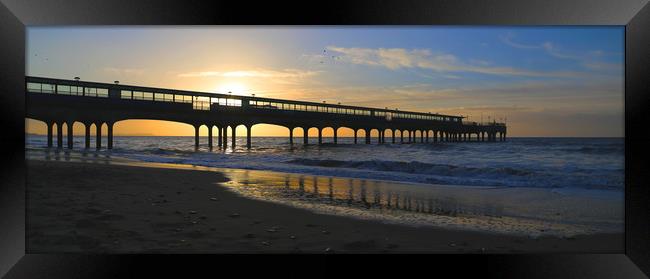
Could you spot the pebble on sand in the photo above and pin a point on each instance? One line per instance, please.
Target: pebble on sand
(214, 199)
(234, 215)
(192, 212)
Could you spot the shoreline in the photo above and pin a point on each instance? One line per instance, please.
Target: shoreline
(181, 211)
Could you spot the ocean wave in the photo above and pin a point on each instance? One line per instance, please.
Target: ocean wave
(597, 150)
(412, 167)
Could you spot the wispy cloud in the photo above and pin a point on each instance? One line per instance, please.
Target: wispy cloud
(287, 73)
(398, 58)
(588, 59)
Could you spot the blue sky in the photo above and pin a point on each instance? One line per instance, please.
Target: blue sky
(547, 81)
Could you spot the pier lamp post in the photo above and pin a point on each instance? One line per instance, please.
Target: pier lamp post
(76, 78)
(117, 82)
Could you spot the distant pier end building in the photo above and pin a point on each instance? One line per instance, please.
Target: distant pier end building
(58, 101)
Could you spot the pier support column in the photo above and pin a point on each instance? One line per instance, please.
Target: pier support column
(291, 136)
(421, 136)
(504, 136)
(87, 134)
(196, 137)
(248, 136)
(355, 136)
(98, 135)
(110, 135)
(367, 136)
(49, 134)
(401, 136)
(336, 135)
(219, 136)
(59, 135)
(426, 139)
(435, 136)
(393, 135)
(378, 136)
(225, 136)
(209, 137)
(305, 135)
(320, 136)
(234, 136)
(70, 135)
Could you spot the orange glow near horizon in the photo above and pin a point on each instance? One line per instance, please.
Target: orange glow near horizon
(169, 128)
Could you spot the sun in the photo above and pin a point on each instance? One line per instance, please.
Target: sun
(235, 88)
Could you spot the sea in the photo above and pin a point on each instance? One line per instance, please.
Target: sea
(563, 186)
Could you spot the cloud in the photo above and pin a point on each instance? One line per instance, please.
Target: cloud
(507, 39)
(398, 58)
(588, 60)
(287, 73)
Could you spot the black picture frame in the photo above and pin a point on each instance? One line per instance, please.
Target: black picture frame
(634, 14)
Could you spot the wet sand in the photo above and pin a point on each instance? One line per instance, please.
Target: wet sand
(103, 208)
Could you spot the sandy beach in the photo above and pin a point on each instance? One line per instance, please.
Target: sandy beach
(103, 208)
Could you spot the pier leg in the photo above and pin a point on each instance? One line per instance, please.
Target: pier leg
(219, 136)
(87, 135)
(427, 137)
(225, 136)
(335, 135)
(98, 135)
(196, 137)
(320, 136)
(421, 136)
(368, 136)
(401, 136)
(393, 134)
(49, 134)
(305, 136)
(435, 136)
(59, 135)
(291, 136)
(110, 135)
(234, 136)
(248, 137)
(504, 136)
(70, 134)
(210, 137)
(378, 136)
(355, 136)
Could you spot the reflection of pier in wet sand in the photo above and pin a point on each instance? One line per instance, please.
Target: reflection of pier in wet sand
(360, 193)
(502, 209)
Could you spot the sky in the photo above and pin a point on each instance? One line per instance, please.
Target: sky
(542, 81)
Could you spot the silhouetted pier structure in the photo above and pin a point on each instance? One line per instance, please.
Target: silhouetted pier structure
(58, 101)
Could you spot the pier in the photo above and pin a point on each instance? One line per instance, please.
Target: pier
(58, 101)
